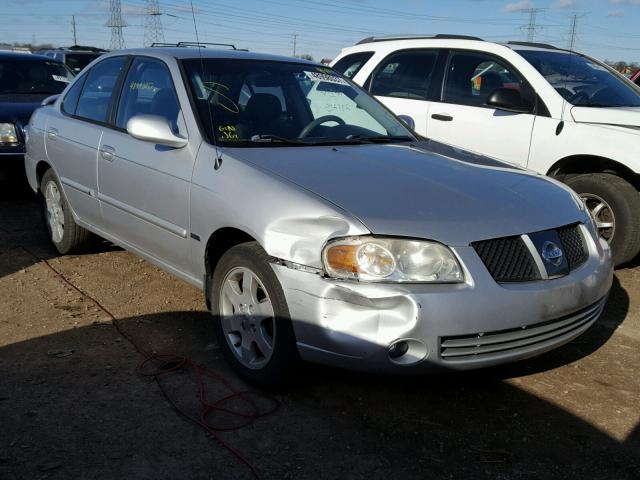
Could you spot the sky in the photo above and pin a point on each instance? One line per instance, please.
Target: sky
(606, 29)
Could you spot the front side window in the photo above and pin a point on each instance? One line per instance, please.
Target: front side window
(148, 89)
(405, 75)
(581, 81)
(473, 77)
(351, 64)
(249, 102)
(33, 77)
(94, 101)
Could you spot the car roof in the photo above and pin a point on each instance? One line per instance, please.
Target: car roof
(26, 57)
(185, 53)
(459, 40)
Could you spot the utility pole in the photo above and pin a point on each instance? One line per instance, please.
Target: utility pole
(295, 43)
(116, 23)
(532, 25)
(153, 31)
(73, 27)
(573, 29)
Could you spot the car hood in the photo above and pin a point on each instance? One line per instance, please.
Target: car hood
(619, 116)
(15, 109)
(427, 190)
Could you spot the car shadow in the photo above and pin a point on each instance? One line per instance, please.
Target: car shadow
(23, 236)
(72, 404)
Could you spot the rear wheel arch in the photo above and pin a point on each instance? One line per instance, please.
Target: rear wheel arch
(41, 168)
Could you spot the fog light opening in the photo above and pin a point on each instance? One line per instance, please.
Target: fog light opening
(398, 349)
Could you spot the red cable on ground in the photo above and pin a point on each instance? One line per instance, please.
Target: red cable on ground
(168, 363)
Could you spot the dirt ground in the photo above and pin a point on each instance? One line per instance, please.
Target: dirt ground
(72, 404)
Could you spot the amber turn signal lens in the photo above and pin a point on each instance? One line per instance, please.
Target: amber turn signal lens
(342, 258)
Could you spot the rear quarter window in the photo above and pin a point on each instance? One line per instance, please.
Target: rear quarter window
(350, 65)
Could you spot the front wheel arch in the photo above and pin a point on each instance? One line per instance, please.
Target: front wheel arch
(573, 165)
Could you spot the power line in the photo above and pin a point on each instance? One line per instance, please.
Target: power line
(116, 23)
(153, 31)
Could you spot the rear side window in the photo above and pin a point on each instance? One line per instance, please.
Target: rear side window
(472, 77)
(148, 89)
(405, 75)
(98, 89)
(70, 100)
(351, 64)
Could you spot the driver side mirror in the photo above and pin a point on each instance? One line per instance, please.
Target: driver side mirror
(155, 129)
(509, 100)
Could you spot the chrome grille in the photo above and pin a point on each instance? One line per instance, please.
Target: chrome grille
(464, 348)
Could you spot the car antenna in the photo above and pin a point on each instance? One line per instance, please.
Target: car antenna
(217, 163)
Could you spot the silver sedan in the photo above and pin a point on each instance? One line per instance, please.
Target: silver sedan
(318, 225)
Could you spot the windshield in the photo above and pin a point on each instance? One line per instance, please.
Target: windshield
(582, 81)
(250, 102)
(29, 77)
(77, 61)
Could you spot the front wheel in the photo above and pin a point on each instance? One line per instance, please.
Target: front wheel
(251, 317)
(614, 205)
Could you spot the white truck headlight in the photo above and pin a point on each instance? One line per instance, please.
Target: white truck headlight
(8, 134)
(391, 260)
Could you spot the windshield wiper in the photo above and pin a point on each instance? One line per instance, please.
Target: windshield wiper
(268, 138)
(380, 138)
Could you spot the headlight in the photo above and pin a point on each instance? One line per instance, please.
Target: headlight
(391, 260)
(8, 134)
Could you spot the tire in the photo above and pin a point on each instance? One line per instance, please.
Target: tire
(623, 200)
(247, 323)
(71, 238)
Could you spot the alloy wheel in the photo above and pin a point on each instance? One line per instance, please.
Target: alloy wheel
(247, 316)
(55, 212)
(602, 215)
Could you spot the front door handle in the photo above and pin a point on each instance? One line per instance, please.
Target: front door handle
(52, 133)
(443, 117)
(107, 152)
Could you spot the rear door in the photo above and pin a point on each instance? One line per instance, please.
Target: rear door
(462, 119)
(407, 82)
(73, 136)
(144, 187)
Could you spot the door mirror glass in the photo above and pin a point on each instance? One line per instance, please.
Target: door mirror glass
(508, 99)
(155, 129)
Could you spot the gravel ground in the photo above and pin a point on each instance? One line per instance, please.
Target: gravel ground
(72, 404)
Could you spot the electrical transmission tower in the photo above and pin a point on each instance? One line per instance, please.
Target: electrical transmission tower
(152, 25)
(116, 23)
(531, 27)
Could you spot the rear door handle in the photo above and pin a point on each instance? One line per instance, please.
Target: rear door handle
(443, 117)
(107, 152)
(52, 133)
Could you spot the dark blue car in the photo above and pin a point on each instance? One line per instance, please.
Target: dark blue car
(25, 80)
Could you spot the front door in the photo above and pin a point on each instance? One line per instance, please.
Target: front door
(144, 187)
(462, 119)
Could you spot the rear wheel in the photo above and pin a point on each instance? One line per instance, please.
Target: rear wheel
(251, 317)
(614, 205)
(64, 233)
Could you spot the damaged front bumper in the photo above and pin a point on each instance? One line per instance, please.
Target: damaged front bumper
(426, 327)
